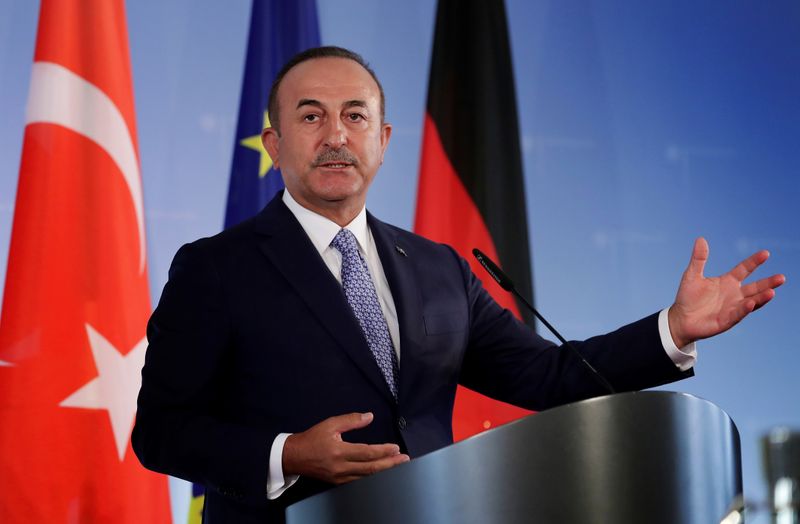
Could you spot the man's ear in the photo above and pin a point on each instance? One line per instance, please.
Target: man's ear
(270, 138)
(386, 133)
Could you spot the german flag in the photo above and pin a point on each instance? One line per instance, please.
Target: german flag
(471, 191)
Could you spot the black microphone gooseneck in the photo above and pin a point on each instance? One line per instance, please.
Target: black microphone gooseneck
(506, 283)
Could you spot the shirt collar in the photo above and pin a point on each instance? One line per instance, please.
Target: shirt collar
(321, 230)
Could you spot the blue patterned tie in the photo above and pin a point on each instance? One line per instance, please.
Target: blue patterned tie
(360, 293)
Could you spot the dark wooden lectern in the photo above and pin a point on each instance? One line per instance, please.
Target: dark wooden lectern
(648, 457)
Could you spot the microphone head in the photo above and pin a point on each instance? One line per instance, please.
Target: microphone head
(494, 270)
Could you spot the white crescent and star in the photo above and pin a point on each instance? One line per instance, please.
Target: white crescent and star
(61, 97)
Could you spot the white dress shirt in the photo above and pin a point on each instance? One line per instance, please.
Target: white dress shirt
(320, 231)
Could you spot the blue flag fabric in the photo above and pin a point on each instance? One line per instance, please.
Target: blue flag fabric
(279, 29)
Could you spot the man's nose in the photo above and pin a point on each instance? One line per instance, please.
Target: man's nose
(335, 134)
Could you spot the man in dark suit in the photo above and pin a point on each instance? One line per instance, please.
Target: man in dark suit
(313, 344)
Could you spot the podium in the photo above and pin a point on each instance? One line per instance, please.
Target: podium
(654, 457)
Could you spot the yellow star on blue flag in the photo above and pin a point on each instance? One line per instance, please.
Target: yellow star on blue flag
(254, 142)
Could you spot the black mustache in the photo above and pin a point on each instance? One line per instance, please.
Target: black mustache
(341, 155)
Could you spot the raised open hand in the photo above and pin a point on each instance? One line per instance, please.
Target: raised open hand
(320, 452)
(707, 306)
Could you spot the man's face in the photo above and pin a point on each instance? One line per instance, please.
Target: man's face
(331, 139)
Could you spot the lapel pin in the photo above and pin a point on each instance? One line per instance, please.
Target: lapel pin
(401, 250)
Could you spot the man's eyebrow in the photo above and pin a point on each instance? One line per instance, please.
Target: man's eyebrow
(317, 103)
(308, 102)
(355, 103)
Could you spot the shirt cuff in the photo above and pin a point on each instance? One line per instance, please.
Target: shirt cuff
(684, 357)
(276, 482)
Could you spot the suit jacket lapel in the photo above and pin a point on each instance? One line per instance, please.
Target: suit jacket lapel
(286, 245)
(398, 265)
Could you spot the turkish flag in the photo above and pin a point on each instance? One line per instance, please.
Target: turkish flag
(471, 191)
(76, 301)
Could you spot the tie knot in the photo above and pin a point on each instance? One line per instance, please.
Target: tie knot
(345, 242)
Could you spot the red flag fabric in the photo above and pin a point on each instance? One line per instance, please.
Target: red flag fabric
(76, 301)
(471, 190)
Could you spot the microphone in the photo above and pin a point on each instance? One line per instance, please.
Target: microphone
(508, 285)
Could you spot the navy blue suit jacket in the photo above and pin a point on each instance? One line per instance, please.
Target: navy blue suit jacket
(253, 336)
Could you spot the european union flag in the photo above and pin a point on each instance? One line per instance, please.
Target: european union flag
(279, 29)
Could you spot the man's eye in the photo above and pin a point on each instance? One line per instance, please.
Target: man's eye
(311, 118)
(355, 117)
